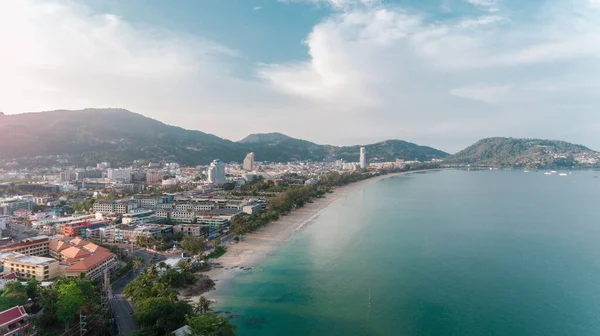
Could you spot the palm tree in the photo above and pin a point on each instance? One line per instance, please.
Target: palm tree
(203, 305)
(138, 262)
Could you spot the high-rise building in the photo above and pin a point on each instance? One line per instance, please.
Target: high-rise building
(216, 172)
(249, 162)
(363, 158)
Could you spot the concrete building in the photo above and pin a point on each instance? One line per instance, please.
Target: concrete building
(9, 205)
(216, 172)
(363, 158)
(85, 174)
(249, 162)
(4, 222)
(78, 256)
(94, 266)
(154, 177)
(27, 267)
(191, 230)
(123, 175)
(35, 246)
(68, 175)
(121, 207)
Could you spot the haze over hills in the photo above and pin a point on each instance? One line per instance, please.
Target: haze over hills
(94, 135)
(525, 153)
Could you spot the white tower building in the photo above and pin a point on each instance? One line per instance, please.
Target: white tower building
(216, 172)
(363, 158)
(249, 162)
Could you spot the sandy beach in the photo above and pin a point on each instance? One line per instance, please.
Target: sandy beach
(258, 245)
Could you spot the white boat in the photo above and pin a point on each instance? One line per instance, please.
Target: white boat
(553, 172)
(562, 174)
(547, 173)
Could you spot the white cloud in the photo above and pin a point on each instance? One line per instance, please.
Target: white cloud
(484, 93)
(481, 21)
(376, 70)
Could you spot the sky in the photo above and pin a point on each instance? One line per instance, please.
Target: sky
(442, 73)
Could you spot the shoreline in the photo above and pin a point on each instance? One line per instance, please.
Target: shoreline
(257, 246)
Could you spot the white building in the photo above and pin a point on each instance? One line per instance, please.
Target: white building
(249, 162)
(4, 221)
(363, 158)
(216, 172)
(123, 175)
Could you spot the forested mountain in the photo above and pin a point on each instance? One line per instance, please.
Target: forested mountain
(525, 153)
(120, 136)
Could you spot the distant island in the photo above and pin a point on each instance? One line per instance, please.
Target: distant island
(528, 153)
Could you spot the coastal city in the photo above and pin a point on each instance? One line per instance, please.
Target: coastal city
(113, 226)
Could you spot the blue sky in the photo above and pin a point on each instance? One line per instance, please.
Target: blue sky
(443, 73)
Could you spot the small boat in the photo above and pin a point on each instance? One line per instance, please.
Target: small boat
(562, 174)
(526, 171)
(553, 172)
(547, 173)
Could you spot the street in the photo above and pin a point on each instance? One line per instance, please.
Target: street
(121, 307)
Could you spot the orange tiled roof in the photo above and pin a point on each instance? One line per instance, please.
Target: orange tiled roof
(58, 245)
(95, 248)
(89, 262)
(74, 252)
(78, 241)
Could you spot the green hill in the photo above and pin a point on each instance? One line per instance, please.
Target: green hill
(524, 153)
(120, 136)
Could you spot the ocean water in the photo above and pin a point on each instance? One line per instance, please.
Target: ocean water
(437, 253)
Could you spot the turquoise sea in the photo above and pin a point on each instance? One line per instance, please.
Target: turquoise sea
(453, 252)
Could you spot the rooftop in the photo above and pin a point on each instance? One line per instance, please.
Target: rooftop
(34, 260)
(89, 262)
(12, 315)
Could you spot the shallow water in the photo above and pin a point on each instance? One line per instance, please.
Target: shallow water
(440, 253)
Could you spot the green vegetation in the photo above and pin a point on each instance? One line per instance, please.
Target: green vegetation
(218, 252)
(292, 196)
(193, 245)
(532, 153)
(159, 243)
(63, 302)
(159, 311)
(84, 205)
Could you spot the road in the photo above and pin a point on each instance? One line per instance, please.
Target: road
(121, 307)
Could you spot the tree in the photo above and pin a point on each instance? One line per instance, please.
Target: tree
(138, 263)
(70, 300)
(159, 316)
(217, 242)
(203, 305)
(211, 324)
(33, 288)
(193, 245)
(14, 294)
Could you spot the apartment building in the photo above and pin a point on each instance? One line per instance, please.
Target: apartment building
(94, 266)
(78, 228)
(34, 246)
(79, 256)
(9, 205)
(131, 232)
(154, 177)
(191, 230)
(120, 207)
(28, 267)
